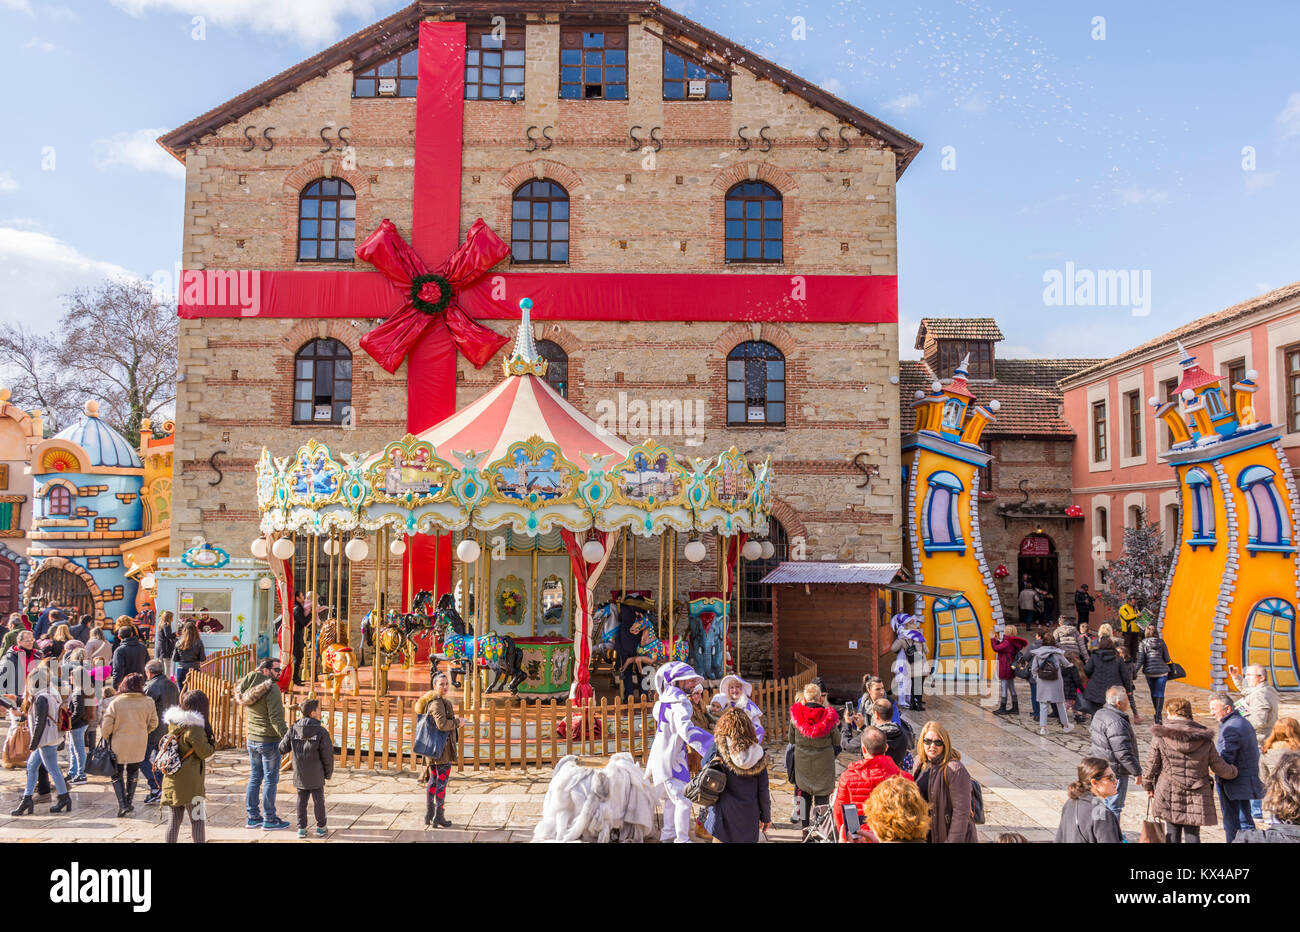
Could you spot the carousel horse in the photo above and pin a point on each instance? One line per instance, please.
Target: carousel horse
(394, 638)
(498, 652)
(338, 664)
(602, 641)
(655, 651)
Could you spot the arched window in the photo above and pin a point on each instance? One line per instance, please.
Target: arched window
(952, 412)
(940, 524)
(327, 221)
(1101, 525)
(322, 383)
(539, 231)
(757, 598)
(557, 366)
(1268, 520)
(393, 78)
(1269, 641)
(958, 641)
(755, 229)
(1200, 490)
(755, 384)
(58, 501)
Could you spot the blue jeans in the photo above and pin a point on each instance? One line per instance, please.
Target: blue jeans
(49, 756)
(1257, 809)
(1033, 696)
(263, 775)
(146, 765)
(1236, 815)
(77, 751)
(1157, 686)
(1116, 803)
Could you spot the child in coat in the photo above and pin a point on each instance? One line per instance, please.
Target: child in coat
(313, 763)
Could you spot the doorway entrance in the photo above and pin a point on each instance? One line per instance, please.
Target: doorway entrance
(57, 586)
(1038, 563)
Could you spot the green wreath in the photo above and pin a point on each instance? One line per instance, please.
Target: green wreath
(430, 307)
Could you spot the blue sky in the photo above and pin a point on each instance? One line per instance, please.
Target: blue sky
(1122, 153)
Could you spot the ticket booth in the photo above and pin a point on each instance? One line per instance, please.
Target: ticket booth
(231, 600)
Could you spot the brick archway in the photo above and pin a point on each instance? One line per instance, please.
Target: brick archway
(784, 512)
(297, 179)
(61, 563)
(24, 569)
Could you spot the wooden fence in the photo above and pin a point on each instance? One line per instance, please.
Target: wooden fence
(229, 665)
(377, 732)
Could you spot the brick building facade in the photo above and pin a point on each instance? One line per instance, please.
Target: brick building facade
(1026, 489)
(630, 208)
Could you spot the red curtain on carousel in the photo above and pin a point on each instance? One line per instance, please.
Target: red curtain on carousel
(730, 550)
(585, 576)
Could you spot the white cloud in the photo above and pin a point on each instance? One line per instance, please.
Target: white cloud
(7, 183)
(311, 22)
(36, 270)
(20, 6)
(138, 150)
(1258, 181)
(1288, 121)
(902, 104)
(1134, 194)
(35, 42)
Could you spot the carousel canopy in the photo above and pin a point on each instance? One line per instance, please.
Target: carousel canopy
(521, 457)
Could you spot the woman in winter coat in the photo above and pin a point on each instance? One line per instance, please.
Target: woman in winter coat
(1007, 647)
(127, 722)
(1178, 774)
(1153, 663)
(815, 733)
(1048, 670)
(1282, 740)
(1282, 802)
(42, 705)
(744, 809)
(189, 652)
(1086, 819)
(98, 650)
(183, 791)
(1104, 669)
(436, 703)
(80, 689)
(946, 785)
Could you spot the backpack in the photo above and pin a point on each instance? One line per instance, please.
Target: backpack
(168, 759)
(1022, 664)
(707, 785)
(1048, 671)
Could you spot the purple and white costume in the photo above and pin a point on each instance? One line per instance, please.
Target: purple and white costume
(666, 766)
(907, 674)
(721, 702)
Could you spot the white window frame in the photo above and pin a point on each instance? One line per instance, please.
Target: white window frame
(1101, 501)
(1132, 382)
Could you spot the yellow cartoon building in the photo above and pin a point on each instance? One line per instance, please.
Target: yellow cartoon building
(1231, 594)
(942, 459)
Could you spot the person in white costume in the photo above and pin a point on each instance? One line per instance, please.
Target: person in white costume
(666, 766)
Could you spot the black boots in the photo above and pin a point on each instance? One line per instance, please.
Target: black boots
(64, 804)
(25, 807)
(440, 820)
(916, 704)
(430, 809)
(1002, 707)
(124, 808)
(1015, 706)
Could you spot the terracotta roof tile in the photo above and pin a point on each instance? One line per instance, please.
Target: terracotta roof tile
(957, 328)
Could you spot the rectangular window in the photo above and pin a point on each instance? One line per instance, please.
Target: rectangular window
(1133, 406)
(1291, 358)
(1099, 431)
(952, 352)
(593, 63)
(1234, 372)
(494, 67)
(1168, 392)
(393, 78)
(1100, 520)
(687, 79)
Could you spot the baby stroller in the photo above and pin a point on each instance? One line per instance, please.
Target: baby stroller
(821, 826)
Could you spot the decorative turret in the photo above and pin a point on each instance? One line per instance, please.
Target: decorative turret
(1203, 403)
(524, 358)
(950, 409)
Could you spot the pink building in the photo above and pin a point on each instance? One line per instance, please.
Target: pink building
(1117, 473)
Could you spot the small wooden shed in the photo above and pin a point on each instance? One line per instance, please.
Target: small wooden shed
(837, 614)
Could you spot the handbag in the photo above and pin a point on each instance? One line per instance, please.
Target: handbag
(976, 802)
(1022, 664)
(1176, 671)
(430, 740)
(102, 762)
(18, 745)
(1153, 830)
(708, 784)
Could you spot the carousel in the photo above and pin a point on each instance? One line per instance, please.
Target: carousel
(491, 532)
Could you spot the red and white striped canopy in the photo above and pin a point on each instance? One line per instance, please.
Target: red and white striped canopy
(522, 406)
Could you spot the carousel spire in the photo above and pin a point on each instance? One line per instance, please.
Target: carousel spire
(524, 358)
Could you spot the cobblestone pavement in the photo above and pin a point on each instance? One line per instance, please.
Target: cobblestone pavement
(1023, 774)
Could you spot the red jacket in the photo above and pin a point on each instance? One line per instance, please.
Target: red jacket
(1006, 649)
(857, 782)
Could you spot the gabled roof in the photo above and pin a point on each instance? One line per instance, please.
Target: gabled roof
(1194, 331)
(390, 35)
(957, 328)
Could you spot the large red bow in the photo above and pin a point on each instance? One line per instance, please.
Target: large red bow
(432, 295)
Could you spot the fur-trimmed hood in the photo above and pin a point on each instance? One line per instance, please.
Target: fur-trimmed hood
(814, 721)
(1183, 734)
(255, 690)
(747, 763)
(182, 718)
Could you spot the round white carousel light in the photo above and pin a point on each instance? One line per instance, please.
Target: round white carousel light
(467, 551)
(1189, 395)
(769, 549)
(264, 582)
(995, 406)
(330, 547)
(356, 549)
(149, 581)
(593, 551)
(752, 550)
(1153, 401)
(694, 550)
(397, 548)
(259, 547)
(1251, 375)
(282, 549)
(936, 386)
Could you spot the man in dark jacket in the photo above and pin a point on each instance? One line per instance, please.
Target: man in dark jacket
(1084, 604)
(81, 630)
(1237, 745)
(313, 763)
(300, 627)
(164, 694)
(898, 735)
(1114, 742)
(130, 656)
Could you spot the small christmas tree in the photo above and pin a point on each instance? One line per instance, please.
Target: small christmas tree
(1141, 569)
